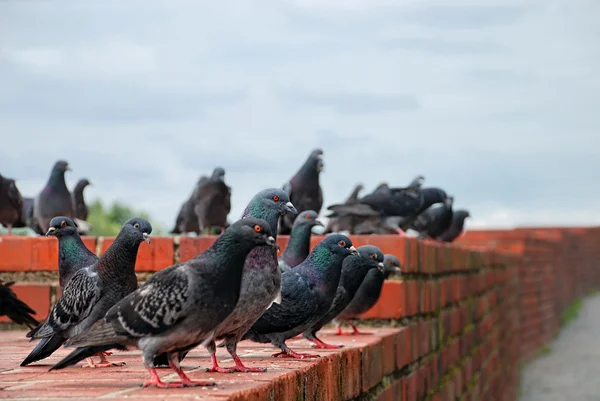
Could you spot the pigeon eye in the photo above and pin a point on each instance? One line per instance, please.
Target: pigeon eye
(342, 243)
(308, 217)
(276, 198)
(257, 228)
(63, 224)
(137, 225)
(373, 256)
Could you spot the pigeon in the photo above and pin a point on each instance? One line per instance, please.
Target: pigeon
(26, 215)
(339, 224)
(354, 270)
(214, 201)
(11, 203)
(298, 246)
(430, 196)
(80, 209)
(54, 199)
(15, 309)
(456, 227)
(417, 182)
(91, 292)
(73, 255)
(261, 282)
(179, 307)
(435, 220)
(187, 221)
(367, 294)
(307, 293)
(304, 189)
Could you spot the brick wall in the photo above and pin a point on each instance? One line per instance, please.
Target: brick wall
(467, 314)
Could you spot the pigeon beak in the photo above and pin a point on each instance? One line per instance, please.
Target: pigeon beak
(68, 168)
(397, 271)
(380, 265)
(146, 237)
(277, 248)
(290, 208)
(318, 223)
(271, 241)
(50, 231)
(353, 251)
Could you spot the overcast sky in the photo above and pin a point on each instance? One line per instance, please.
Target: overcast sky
(496, 101)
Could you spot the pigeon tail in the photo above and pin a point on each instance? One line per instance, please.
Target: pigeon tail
(44, 349)
(101, 333)
(82, 353)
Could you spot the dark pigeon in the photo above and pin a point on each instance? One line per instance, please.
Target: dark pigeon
(339, 224)
(26, 216)
(15, 309)
(307, 292)
(187, 221)
(80, 209)
(261, 282)
(91, 292)
(73, 255)
(456, 227)
(434, 221)
(304, 189)
(430, 196)
(354, 271)
(298, 246)
(214, 202)
(179, 307)
(368, 293)
(11, 203)
(54, 199)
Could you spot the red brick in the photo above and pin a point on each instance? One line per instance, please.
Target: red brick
(192, 247)
(391, 303)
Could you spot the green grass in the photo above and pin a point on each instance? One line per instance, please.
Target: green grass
(572, 312)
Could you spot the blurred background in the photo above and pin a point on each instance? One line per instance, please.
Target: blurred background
(494, 100)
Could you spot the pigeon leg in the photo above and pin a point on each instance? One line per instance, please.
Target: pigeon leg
(212, 350)
(239, 366)
(104, 363)
(155, 380)
(340, 332)
(185, 381)
(9, 229)
(356, 332)
(321, 344)
(288, 353)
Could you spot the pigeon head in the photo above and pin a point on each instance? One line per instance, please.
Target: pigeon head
(270, 204)
(308, 219)
(137, 229)
(391, 264)
(332, 248)
(218, 174)
(61, 166)
(432, 195)
(61, 226)
(461, 214)
(449, 201)
(252, 231)
(316, 159)
(82, 183)
(371, 256)
(417, 181)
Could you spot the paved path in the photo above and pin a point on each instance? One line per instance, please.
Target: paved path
(571, 371)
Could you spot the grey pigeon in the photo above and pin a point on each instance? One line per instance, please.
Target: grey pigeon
(307, 292)
(434, 221)
(214, 202)
(187, 221)
(13, 308)
(367, 294)
(73, 255)
(298, 246)
(54, 199)
(354, 270)
(456, 227)
(304, 189)
(80, 209)
(91, 292)
(11, 203)
(179, 307)
(261, 282)
(339, 224)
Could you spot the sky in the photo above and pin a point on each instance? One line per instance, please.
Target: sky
(496, 101)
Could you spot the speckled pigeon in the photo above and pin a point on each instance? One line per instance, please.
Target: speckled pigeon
(91, 292)
(354, 270)
(187, 221)
(179, 307)
(11, 203)
(304, 189)
(434, 221)
(456, 227)
(368, 293)
(54, 199)
(13, 308)
(298, 246)
(307, 293)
